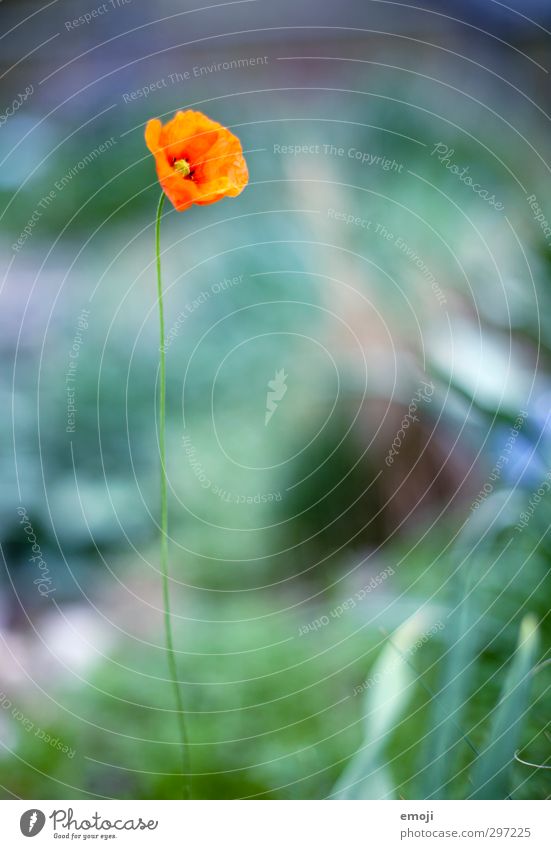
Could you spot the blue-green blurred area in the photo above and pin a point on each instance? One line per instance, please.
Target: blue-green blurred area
(355, 269)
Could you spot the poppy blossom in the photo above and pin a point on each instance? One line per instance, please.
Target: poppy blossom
(197, 159)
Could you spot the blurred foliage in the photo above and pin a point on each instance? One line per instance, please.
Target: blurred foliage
(279, 721)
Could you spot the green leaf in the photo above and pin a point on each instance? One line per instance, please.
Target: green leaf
(445, 737)
(386, 694)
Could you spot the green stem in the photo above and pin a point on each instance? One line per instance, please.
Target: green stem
(169, 641)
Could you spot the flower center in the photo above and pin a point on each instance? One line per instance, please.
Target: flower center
(182, 167)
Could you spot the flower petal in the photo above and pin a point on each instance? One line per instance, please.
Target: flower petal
(214, 154)
(153, 135)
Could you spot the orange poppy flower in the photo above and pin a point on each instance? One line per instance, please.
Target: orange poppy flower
(198, 160)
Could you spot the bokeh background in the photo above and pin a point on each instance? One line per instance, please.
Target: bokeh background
(355, 270)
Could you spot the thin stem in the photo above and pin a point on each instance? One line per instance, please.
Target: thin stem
(169, 641)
